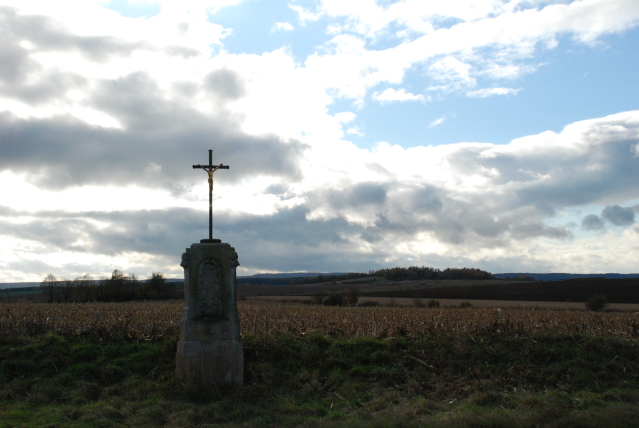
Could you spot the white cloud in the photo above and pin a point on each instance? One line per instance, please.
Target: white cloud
(282, 26)
(393, 95)
(488, 39)
(355, 131)
(487, 92)
(305, 14)
(454, 73)
(437, 122)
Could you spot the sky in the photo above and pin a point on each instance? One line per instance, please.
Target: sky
(495, 134)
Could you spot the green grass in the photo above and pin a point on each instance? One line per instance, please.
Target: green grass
(318, 381)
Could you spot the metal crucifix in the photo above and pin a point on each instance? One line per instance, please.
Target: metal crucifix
(210, 168)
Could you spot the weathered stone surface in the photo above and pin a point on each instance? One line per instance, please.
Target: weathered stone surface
(209, 350)
(209, 362)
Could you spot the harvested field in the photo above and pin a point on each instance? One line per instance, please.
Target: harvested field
(453, 303)
(157, 320)
(620, 290)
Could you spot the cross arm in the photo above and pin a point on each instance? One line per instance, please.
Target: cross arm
(210, 166)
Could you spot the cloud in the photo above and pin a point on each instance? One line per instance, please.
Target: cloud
(305, 14)
(487, 92)
(618, 216)
(592, 222)
(459, 47)
(355, 131)
(437, 122)
(225, 84)
(393, 95)
(65, 152)
(282, 26)
(46, 35)
(49, 130)
(454, 73)
(121, 114)
(462, 204)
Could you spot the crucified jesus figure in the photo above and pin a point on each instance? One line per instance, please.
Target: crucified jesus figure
(210, 169)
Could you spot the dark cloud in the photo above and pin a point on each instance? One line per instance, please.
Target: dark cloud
(47, 35)
(162, 135)
(426, 199)
(286, 240)
(358, 195)
(400, 212)
(618, 216)
(14, 62)
(537, 229)
(158, 232)
(281, 241)
(61, 152)
(554, 177)
(182, 51)
(24, 79)
(592, 222)
(225, 84)
(35, 268)
(370, 237)
(275, 189)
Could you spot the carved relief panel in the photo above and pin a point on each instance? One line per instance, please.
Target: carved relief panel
(209, 300)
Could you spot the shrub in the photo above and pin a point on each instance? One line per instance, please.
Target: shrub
(432, 303)
(465, 305)
(351, 295)
(318, 298)
(334, 299)
(596, 302)
(418, 303)
(369, 304)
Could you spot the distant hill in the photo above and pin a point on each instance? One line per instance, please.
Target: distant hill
(4, 285)
(290, 275)
(563, 276)
(18, 284)
(536, 276)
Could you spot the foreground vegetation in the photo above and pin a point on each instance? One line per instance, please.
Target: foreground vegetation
(112, 365)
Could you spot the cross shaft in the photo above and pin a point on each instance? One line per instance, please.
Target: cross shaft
(210, 169)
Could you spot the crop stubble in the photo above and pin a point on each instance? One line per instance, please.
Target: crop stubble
(157, 320)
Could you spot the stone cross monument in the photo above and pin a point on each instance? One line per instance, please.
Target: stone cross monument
(209, 351)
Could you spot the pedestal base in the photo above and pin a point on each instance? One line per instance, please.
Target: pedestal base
(213, 362)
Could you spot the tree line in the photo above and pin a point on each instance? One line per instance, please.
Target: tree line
(119, 287)
(415, 273)
(389, 274)
(401, 274)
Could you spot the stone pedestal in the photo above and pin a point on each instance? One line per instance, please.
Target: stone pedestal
(209, 351)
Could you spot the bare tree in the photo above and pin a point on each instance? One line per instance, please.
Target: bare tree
(154, 288)
(134, 284)
(85, 288)
(66, 290)
(116, 286)
(49, 286)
